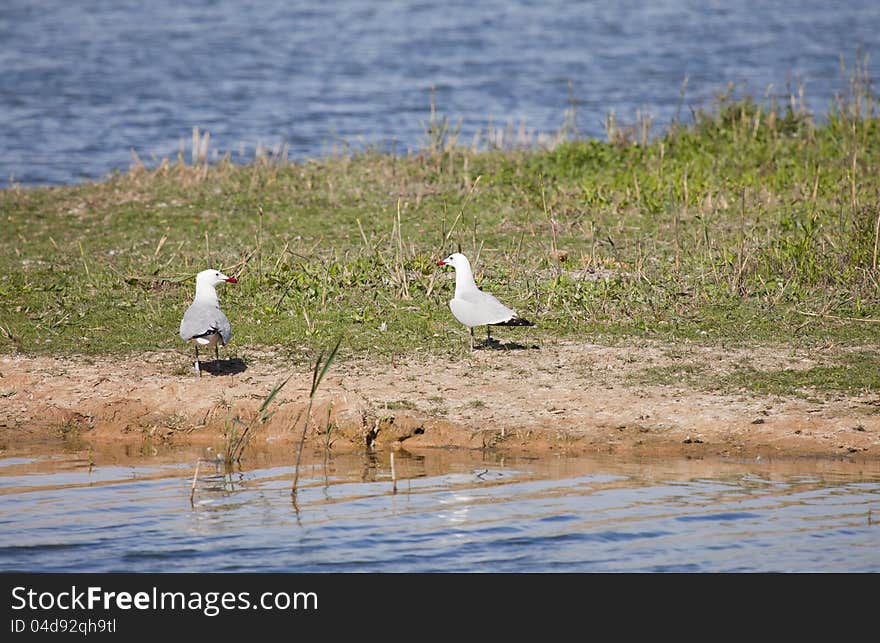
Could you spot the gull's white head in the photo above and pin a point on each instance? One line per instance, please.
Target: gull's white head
(456, 260)
(213, 277)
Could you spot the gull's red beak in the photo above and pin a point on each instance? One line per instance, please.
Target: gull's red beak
(441, 263)
(232, 280)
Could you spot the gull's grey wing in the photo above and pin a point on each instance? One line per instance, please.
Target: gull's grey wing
(224, 327)
(486, 306)
(202, 321)
(478, 308)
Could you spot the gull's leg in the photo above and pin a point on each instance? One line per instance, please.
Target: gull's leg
(488, 335)
(216, 353)
(198, 370)
(472, 338)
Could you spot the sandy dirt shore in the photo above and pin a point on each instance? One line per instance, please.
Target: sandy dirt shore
(559, 397)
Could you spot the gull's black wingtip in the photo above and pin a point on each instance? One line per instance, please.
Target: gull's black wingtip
(516, 321)
(211, 331)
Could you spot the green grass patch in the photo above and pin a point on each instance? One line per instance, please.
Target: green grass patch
(849, 372)
(694, 375)
(755, 224)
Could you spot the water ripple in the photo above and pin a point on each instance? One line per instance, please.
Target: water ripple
(86, 82)
(564, 515)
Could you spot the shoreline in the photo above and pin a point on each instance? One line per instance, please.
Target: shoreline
(560, 398)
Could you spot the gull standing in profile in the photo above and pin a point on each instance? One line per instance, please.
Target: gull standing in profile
(474, 307)
(203, 323)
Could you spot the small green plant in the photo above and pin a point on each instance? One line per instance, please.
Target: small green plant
(238, 434)
(328, 433)
(401, 405)
(321, 366)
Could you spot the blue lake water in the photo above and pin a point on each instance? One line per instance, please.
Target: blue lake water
(84, 83)
(444, 511)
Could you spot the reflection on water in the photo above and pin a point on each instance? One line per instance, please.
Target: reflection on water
(444, 511)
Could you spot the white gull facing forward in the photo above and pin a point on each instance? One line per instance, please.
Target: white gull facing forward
(203, 323)
(474, 307)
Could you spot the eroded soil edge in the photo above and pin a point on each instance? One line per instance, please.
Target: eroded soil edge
(564, 397)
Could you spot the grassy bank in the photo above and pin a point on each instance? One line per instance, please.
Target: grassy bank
(753, 224)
